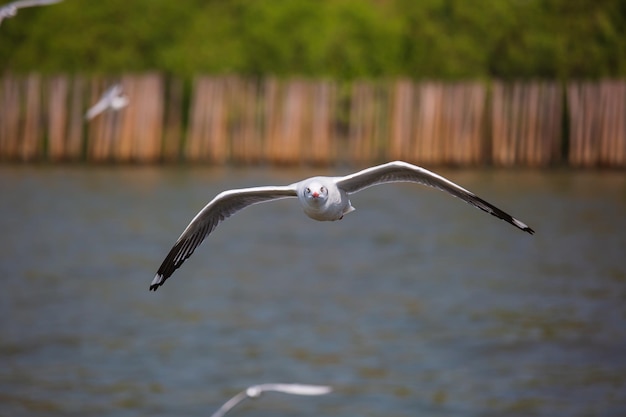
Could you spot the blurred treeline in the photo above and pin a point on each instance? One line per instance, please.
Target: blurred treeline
(342, 39)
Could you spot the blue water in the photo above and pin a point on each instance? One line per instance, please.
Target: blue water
(416, 304)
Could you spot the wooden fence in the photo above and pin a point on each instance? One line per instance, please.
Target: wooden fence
(597, 123)
(231, 119)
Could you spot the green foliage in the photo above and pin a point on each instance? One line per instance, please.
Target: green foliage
(344, 39)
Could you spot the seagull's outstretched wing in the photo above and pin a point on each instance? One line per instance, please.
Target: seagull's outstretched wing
(399, 171)
(113, 91)
(10, 9)
(97, 108)
(256, 390)
(20, 4)
(294, 389)
(221, 207)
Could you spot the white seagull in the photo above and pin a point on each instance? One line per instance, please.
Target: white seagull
(256, 391)
(111, 99)
(10, 9)
(321, 198)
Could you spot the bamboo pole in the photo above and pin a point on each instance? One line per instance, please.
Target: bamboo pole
(462, 121)
(509, 112)
(173, 121)
(196, 129)
(10, 106)
(591, 125)
(208, 132)
(426, 123)
(245, 124)
(125, 126)
(606, 135)
(401, 119)
(270, 104)
(32, 132)
(293, 117)
(530, 123)
(236, 118)
(58, 91)
(147, 131)
(613, 112)
(447, 124)
(497, 122)
(478, 133)
(287, 101)
(323, 108)
(587, 121)
(361, 133)
(217, 146)
(75, 141)
(619, 117)
(253, 123)
(96, 128)
(573, 105)
(552, 130)
(437, 148)
(515, 128)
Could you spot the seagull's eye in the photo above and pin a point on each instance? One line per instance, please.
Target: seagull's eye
(307, 190)
(322, 189)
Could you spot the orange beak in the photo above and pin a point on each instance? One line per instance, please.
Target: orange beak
(315, 194)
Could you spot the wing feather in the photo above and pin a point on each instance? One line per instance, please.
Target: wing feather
(399, 171)
(31, 3)
(217, 210)
(97, 108)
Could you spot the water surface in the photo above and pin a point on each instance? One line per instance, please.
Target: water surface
(414, 305)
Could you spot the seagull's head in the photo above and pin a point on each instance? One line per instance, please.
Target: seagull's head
(254, 391)
(315, 193)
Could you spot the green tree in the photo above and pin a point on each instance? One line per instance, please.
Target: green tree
(345, 39)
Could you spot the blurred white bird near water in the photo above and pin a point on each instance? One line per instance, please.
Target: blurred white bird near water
(111, 99)
(255, 391)
(10, 9)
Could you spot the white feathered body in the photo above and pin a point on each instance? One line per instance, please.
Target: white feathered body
(332, 204)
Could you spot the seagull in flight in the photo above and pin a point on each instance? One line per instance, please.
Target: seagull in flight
(111, 99)
(255, 391)
(321, 198)
(10, 9)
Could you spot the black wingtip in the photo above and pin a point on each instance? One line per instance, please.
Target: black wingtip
(522, 226)
(157, 282)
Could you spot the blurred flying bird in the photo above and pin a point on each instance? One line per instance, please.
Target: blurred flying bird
(111, 99)
(321, 198)
(10, 9)
(255, 391)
